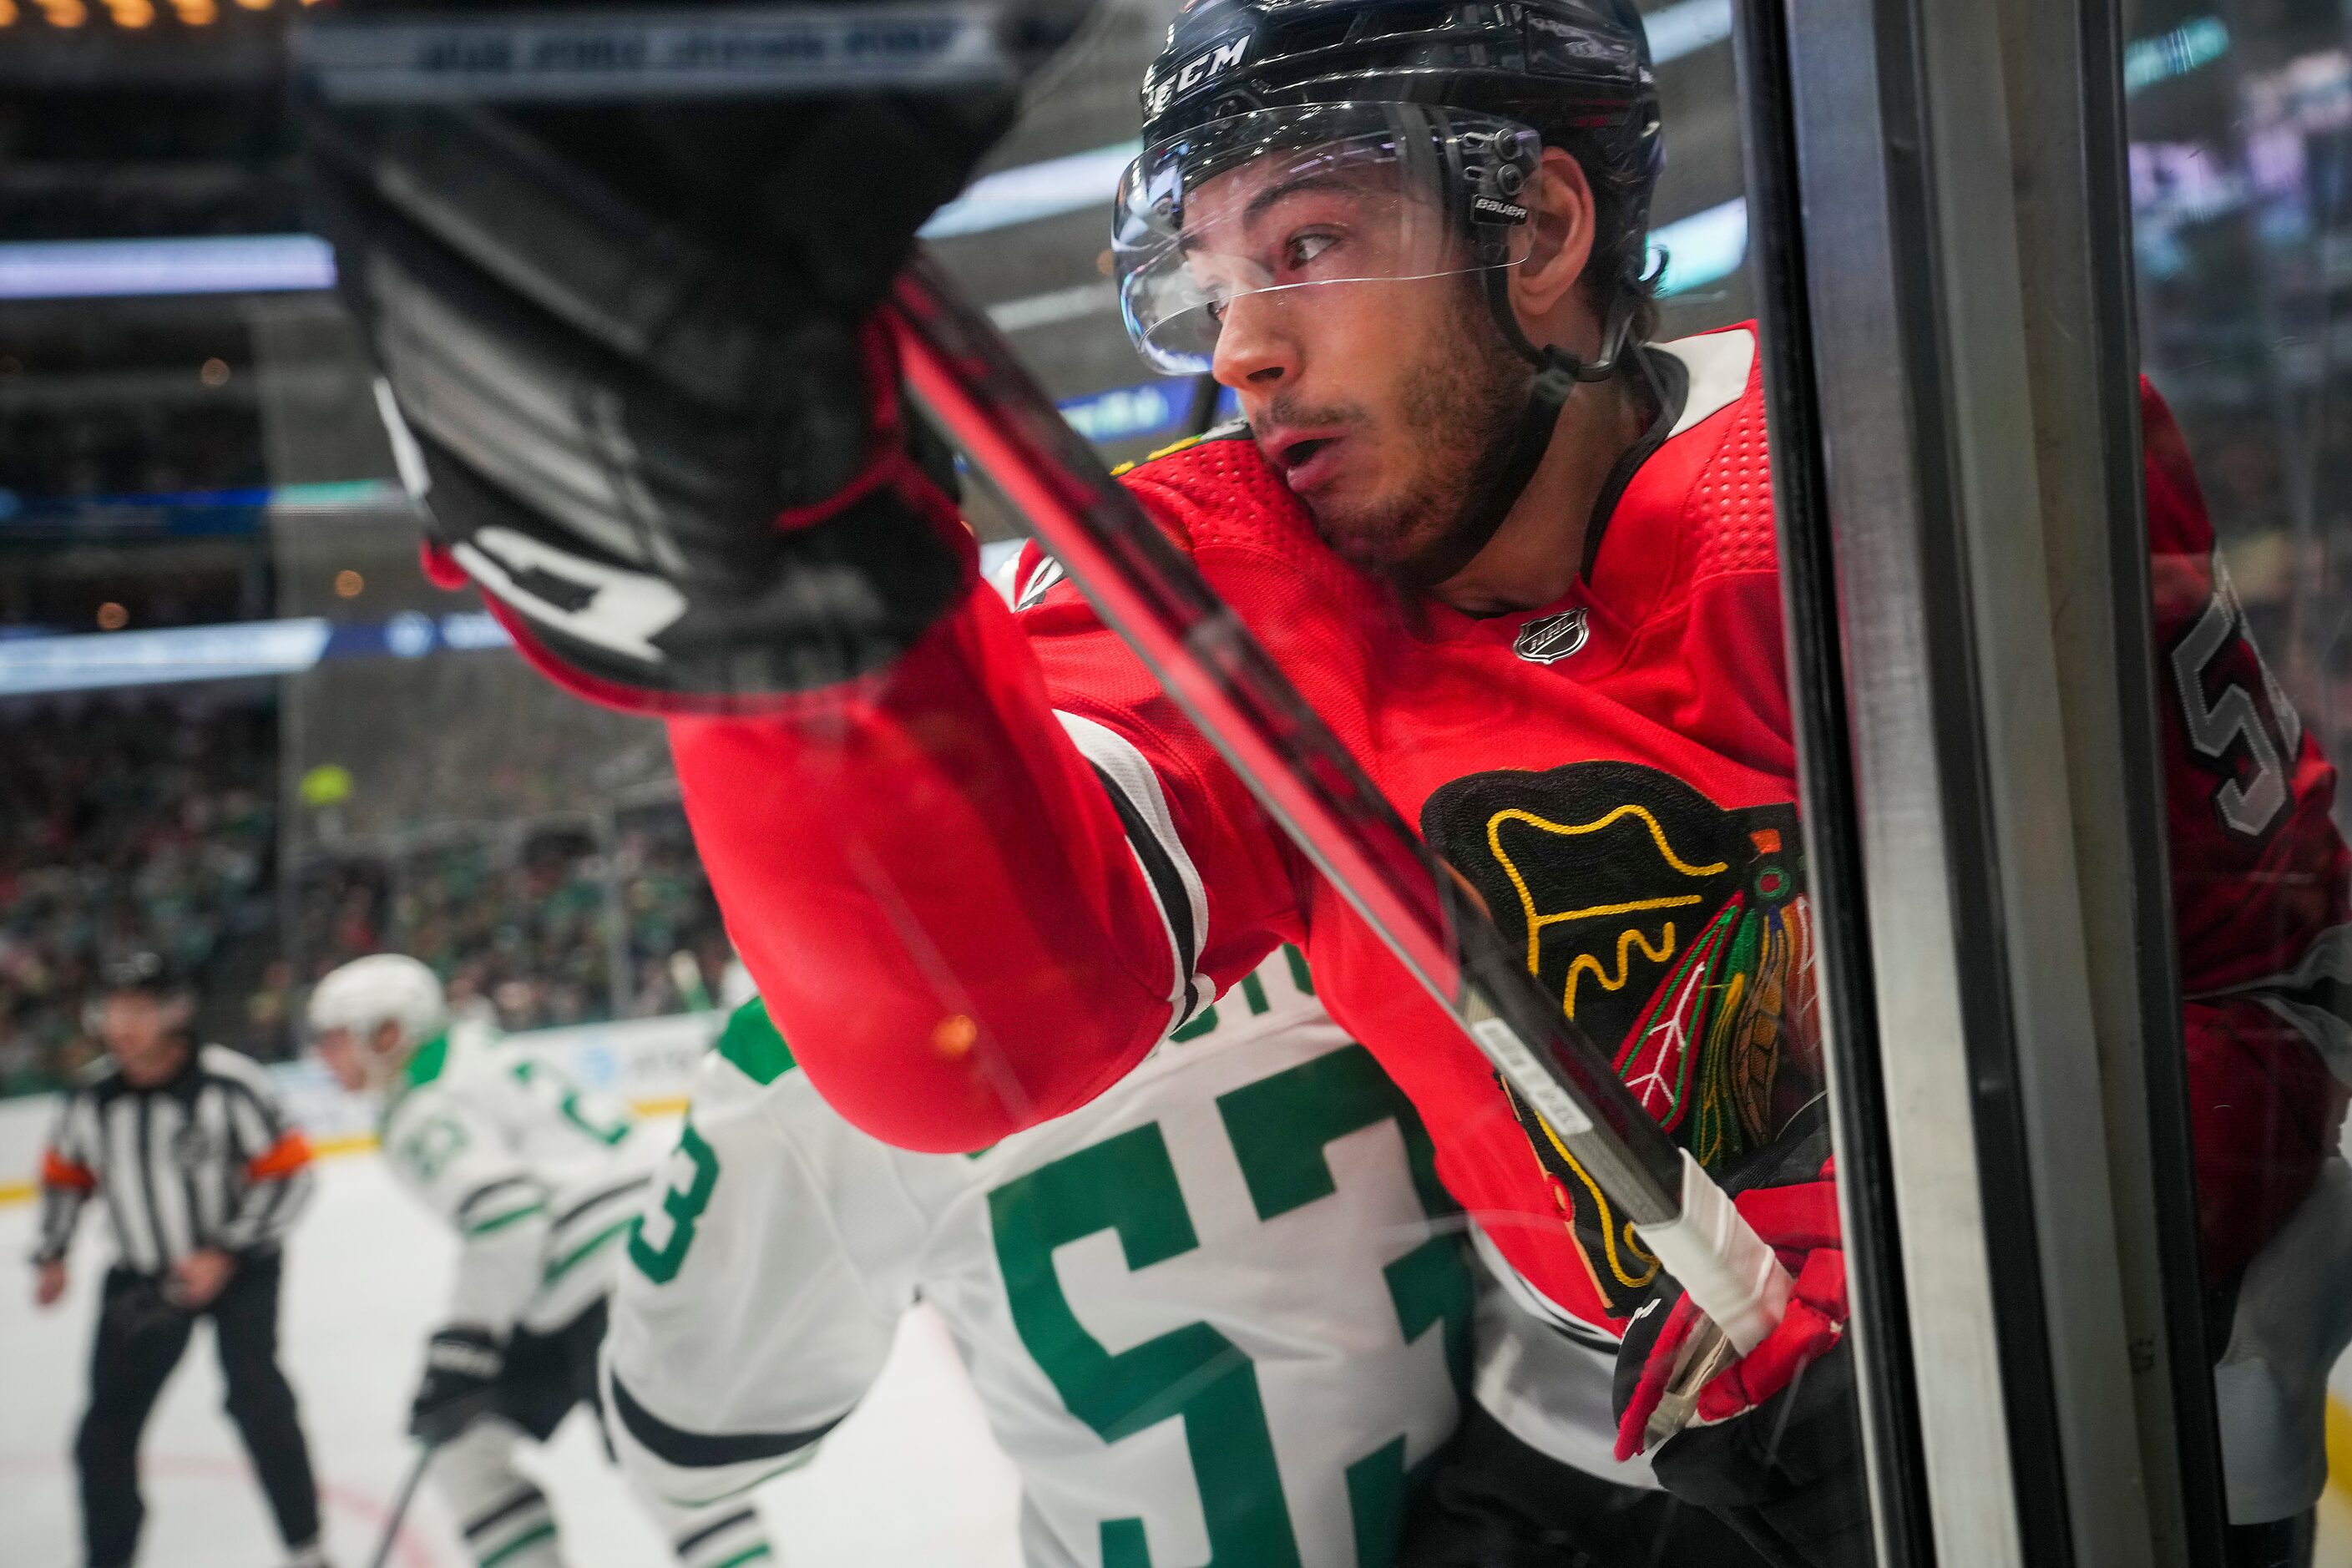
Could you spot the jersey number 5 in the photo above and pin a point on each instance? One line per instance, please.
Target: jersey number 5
(2219, 654)
(1278, 1128)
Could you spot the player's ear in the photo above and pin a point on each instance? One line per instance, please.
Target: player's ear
(384, 1038)
(1559, 240)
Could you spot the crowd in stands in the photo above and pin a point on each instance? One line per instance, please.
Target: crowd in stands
(152, 823)
(462, 739)
(568, 919)
(667, 911)
(124, 827)
(529, 929)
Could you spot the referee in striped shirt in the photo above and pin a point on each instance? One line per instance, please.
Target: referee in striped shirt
(200, 1173)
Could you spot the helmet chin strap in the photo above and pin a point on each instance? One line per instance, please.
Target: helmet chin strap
(1557, 375)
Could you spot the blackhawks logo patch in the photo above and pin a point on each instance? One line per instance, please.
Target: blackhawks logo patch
(1675, 932)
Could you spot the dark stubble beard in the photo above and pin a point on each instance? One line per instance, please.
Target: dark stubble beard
(1461, 415)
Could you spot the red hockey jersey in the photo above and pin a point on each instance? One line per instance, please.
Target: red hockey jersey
(977, 892)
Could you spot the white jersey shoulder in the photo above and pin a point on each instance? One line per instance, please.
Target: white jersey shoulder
(219, 1061)
(1717, 368)
(1221, 1312)
(539, 1179)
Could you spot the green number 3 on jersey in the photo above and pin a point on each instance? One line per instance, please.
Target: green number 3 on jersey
(680, 1206)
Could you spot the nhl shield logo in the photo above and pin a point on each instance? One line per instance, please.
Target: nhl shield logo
(1553, 638)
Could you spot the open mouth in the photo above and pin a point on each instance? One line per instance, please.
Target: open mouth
(1311, 463)
(1298, 454)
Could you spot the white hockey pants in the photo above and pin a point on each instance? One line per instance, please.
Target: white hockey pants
(507, 1522)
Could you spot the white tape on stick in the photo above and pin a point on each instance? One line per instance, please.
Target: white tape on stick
(1723, 1264)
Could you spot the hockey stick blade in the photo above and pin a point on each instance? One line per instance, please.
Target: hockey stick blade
(1148, 593)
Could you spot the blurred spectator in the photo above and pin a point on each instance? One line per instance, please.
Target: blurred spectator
(126, 823)
(528, 926)
(670, 914)
(150, 821)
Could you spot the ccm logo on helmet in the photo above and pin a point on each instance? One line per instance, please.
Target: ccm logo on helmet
(1200, 68)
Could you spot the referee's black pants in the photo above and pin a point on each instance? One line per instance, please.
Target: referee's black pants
(141, 1339)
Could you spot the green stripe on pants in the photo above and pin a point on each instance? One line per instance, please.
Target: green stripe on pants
(528, 1537)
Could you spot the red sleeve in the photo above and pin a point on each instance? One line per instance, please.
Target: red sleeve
(975, 892)
(2259, 879)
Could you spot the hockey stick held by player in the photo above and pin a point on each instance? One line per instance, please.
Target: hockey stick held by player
(1767, 1442)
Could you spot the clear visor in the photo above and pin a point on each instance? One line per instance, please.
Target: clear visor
(1259, 209)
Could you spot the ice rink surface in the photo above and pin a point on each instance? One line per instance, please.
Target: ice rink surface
(912, 1476)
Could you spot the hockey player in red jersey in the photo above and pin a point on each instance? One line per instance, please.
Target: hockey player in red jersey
(1520, 559)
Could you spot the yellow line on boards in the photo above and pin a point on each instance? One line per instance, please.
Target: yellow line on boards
(2339, 1447)
(357, 1143)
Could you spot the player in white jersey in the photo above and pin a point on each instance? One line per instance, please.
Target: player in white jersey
(1222, 1314)
(541, 1182)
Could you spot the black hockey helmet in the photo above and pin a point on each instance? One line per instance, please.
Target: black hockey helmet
(1464, 93)
(1576, 71)
(136, 973)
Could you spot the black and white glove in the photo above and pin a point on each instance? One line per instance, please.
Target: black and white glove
(637, 370)
(461, 1374)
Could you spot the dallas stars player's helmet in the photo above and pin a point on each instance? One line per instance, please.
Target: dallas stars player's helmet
(366, 994)
(1290, 144)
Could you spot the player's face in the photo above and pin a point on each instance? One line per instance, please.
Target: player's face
(1362, 351)
(341, 1054)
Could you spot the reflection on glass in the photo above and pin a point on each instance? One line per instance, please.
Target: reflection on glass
(2238, 180)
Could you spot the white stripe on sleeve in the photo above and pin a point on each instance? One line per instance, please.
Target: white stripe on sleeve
(1166, 865)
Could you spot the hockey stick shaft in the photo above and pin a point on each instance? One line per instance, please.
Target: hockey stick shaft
(399, 1513)
(1148, 591)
